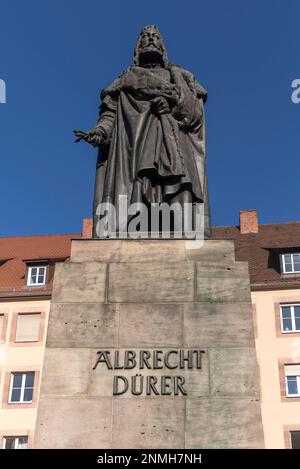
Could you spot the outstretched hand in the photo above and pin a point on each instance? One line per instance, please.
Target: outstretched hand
(94, 137)
(81, 135)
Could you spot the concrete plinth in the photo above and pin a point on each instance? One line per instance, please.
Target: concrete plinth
(173, 323)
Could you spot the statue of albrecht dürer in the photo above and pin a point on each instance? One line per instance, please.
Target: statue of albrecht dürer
(151, 133)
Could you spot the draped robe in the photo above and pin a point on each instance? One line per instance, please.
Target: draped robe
(150, 158)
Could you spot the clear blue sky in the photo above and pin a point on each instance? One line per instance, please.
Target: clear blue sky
(57, 55)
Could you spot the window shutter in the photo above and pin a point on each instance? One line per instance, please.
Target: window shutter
(292, 370)
(28, 327)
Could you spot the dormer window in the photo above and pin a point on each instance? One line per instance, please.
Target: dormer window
(291, 263)
(36, 276)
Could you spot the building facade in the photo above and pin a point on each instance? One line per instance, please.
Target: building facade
(273, 254)
(26, 275)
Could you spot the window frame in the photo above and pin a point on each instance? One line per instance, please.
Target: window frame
(291, 437)
(24, 374)
(283, 262)
(38, 267)
(16, 438)
(2, 331)
(292, 306)
(298, 385)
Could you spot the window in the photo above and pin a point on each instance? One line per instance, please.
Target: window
(295, 439)
(15, 442)
(28, 327)
(21, 387)
(1, 325)
(290, 318)
(36, 276)
(292, 376)
(291, 263)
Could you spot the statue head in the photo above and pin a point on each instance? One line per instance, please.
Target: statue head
(150, 47)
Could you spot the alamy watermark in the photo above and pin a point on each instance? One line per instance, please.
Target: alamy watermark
(2, 92)
(295, 96)
(151, 221)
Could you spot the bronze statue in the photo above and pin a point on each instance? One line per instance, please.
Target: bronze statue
(151, 133)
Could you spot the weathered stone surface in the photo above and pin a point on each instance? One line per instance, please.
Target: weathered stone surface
(213, 250)
(150, 325)
(157, 295)
(68, 372)
(223, 283)
(74, 423)
(157, 250)
(148, 423)
(150, 250)
(233, 372)
(96, 250)
(218, 324)
(101, 384)
(83, 325)
(82, 282)
(223, 423)
(151, 282)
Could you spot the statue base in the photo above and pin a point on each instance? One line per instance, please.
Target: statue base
(150, 345)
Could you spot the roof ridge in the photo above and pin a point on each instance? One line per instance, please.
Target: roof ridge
(225, 226)
(41, 236)
(279, 223)
(260, 224)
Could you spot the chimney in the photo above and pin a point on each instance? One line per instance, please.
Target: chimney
(87, 228)
(248, 221)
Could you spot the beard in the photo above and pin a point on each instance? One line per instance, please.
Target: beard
(151, 54)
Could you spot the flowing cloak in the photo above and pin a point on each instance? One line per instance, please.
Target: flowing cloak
(149, 158)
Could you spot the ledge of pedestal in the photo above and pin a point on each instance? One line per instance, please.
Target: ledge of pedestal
(144, 250)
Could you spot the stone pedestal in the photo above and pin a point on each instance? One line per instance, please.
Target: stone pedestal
(150, 300)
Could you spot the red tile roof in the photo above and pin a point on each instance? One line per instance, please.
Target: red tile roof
(15, 251)
(262, 251)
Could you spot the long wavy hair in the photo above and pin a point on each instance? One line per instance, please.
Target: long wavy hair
(137, 49)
